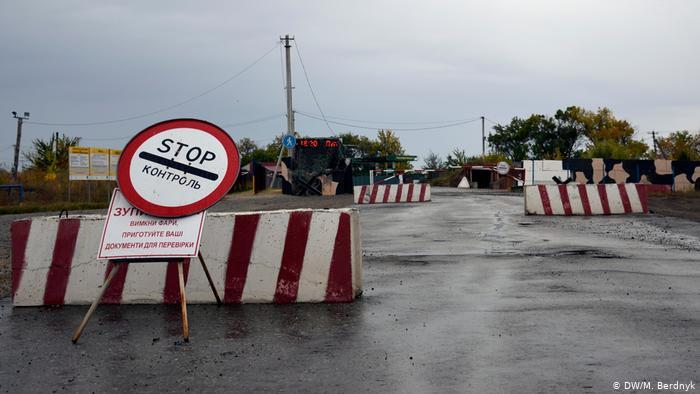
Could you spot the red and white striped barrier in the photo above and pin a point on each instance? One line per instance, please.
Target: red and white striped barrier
(601, 199)
(278, 256)
(383, 194)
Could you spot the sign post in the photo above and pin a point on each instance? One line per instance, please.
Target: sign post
(289, 141)
(168, 174)
(502, 168)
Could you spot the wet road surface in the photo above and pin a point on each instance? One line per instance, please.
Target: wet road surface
(462, 294)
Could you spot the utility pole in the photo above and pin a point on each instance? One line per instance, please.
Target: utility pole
(20, 120)
(656, 146)
(483, 138)
(290, 111)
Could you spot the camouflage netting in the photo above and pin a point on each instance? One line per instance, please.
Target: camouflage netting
(683, 175)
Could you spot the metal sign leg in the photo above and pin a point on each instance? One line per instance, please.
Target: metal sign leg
(183, 302)
(105, 285)
(211, 282)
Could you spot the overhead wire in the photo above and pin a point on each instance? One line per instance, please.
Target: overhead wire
(393, 129)
(227, 80)
(258, 120)
(308, 82)
(393, 122)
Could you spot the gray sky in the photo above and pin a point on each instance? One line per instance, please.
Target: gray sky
(383, 64)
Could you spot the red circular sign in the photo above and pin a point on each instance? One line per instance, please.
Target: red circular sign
(178, 167)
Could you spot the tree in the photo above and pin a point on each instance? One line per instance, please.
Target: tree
(570, 132)
(51, 156)
(609, 137)
(512, 140)
(457, 158)
(433, 161)
(545, 141)
(246, 146)
(362, 146)
(389, 143)
(679, 145)
(560, 137)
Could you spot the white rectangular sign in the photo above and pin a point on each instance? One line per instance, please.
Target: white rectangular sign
(131, 234)
(78, 163)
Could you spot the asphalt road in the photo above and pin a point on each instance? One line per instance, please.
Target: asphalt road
(462, 294)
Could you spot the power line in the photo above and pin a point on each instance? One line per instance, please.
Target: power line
(393, 129)
(259, 120)
(395, 122)
(308, 82)
(227, 80)
(106, 139)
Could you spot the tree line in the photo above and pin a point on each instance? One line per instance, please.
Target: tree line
(579, 133)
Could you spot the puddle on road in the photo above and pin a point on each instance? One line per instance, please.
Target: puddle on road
(592, 253)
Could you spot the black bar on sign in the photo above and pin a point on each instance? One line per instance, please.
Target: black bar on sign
(179, 166)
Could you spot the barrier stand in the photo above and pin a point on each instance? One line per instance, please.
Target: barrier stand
(117, 263)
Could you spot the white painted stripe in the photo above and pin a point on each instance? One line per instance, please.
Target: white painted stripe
(533, 201)
(555, 201)
(266, 257)
(427, 193)
(356, 252)
(575, 201)
(87, 273)
(594, 200)
(367, 195)
(387, 189)
(635, 202)
(144, 283)
(614, 199)
(313, 279)
(42, 237)
(404, 192)
(392, 193)
(215, 257)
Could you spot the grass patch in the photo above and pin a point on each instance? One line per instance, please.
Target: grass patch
(51, 207)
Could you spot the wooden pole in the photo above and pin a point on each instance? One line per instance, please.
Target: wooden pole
(183, 302)
(211, 282)
(90, 311)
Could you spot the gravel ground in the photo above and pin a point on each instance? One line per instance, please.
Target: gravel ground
(686, 205)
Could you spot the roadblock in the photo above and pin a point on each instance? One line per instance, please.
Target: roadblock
(579, 199)
(267, 257)
(387, 194)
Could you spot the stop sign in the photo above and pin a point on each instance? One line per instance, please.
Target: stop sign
(178, 167)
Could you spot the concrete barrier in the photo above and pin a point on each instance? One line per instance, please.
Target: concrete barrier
(386, 194)
(277, 256)
(603, 199)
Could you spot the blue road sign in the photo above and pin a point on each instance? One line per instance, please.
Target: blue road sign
(289, 141)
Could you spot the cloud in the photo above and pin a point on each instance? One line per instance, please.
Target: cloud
(411, 61)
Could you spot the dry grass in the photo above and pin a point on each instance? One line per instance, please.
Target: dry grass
(52, 192)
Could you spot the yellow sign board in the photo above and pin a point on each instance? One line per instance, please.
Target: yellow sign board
(99, 164)
(89, 163)
(113, 160)
(78, 163)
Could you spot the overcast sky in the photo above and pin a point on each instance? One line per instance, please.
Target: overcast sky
(383, 64)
